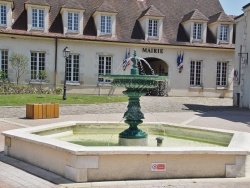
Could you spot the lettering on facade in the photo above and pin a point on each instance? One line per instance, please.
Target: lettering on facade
(152, 50)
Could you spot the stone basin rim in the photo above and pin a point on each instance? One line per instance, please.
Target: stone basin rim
(25, 134)
(128, 76)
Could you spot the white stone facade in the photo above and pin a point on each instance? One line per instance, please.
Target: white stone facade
(241, 91)
(89, 56)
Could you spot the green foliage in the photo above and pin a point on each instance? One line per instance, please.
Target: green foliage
(42, 75)
(23, 99)
(58, 90)
(19, 63)
(3, 76)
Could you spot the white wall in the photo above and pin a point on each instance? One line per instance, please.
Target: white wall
(90, 51)
(242, 86)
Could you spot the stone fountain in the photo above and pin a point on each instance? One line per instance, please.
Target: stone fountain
(135, 85)
(39, 146)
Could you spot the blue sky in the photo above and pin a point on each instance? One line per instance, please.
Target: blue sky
(233, 7)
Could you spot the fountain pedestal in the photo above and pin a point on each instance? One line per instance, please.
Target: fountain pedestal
(135, 85)
(133, 136)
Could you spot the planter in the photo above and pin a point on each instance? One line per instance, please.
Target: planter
(42, 111)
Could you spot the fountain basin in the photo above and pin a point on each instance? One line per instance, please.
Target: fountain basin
(87, 164)
(135, 81)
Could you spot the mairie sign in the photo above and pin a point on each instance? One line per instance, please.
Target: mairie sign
(152, 50)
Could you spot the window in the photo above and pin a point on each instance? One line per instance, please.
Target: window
(38, 18)
(153, 28)
(197, 31)
(72, 68)
(105, 24)
(221, 76)
(195, 73)
(4, 61)
(73, 21)
(224, 33)
(37, 64)
(104, 67)
(3, 18)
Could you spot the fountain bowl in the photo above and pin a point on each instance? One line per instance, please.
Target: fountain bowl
(116, 163)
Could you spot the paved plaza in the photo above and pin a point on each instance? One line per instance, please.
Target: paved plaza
(200, 112)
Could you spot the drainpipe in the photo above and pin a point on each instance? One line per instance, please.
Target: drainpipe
(55, 73)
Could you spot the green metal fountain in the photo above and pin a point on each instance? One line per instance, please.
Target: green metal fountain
(135, 85)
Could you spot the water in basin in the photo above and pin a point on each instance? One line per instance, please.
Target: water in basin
(107, 135)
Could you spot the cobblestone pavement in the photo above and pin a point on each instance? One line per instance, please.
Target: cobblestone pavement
(148, 104)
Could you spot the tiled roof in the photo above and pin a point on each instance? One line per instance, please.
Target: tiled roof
(73, 4)
(106, 7)
(37, 2)
(152, 11)
(7, 0)
(220, 17)
(194, 15)
(128, 28)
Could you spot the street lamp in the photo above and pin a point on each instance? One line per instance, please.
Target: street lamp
(66, 53)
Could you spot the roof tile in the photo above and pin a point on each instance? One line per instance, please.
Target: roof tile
(194, 15)
(152, 11)
(72, 4)
(37, 2)
(128, 29)
(106, 7)
(220, 17)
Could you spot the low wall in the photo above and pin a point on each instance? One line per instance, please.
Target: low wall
(82, 164)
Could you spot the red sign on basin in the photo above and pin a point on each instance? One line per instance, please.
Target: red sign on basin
(158, 167)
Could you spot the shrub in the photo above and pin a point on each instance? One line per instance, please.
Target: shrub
(58, 90)
(8, 88)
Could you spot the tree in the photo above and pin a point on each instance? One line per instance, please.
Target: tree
(19, 63)
(2, 75)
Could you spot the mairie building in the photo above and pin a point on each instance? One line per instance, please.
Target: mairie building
(191, 42)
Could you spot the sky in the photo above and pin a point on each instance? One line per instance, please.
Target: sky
(233, 7)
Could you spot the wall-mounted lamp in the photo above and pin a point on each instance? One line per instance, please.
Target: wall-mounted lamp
(243, 57)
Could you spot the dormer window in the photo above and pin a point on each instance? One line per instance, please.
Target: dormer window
(197, 30)
(195, 25)
(221, 26)
(6, 14)
(151, 21)
(224, 33)
(105, 24)
(3, 15)
(73, 21)
(37, 18)
(153, 28)
(72, 17)
(105, 20)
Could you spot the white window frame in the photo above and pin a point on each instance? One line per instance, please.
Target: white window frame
(153, 28)
(106, 27)
(197, 31)
(224, 33)
(196, 73)
(222, 74)
(74, 26)
(40, 64)
(3, 15)
(105, 67)
(72, 68)
(4, 61)
(37, 18)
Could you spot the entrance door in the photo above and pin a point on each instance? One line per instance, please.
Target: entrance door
(158, 67)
